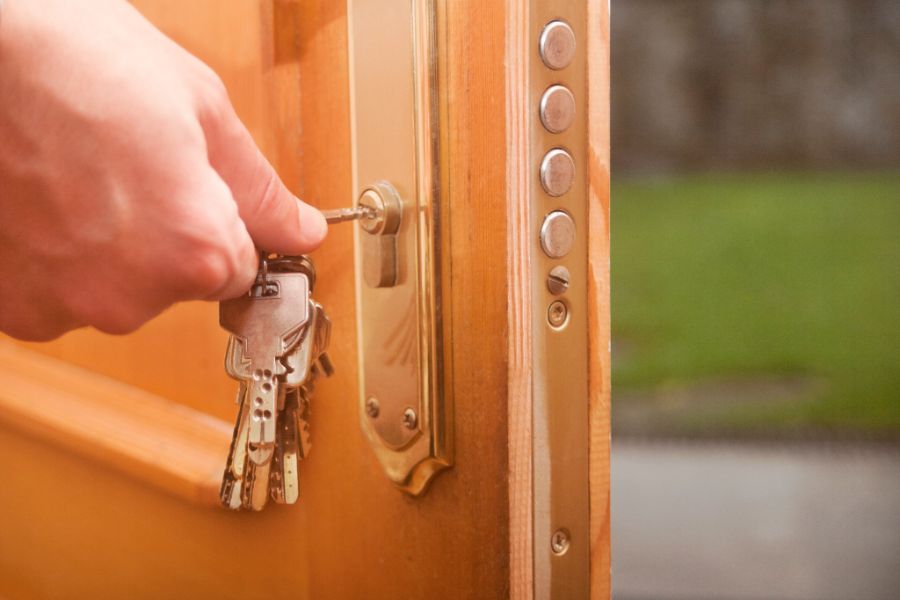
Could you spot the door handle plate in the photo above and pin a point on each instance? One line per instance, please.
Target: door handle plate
(395, 114)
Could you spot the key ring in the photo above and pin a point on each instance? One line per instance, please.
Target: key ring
(294, 264)
(279, 263)
(262, 276)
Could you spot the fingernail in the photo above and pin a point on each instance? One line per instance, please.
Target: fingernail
(313, 227)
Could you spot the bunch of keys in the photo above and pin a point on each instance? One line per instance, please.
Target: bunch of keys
(276, 350)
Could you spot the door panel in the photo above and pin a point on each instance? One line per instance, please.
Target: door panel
(72, 527)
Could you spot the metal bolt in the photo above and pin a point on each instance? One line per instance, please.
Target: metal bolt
(410, 418)
(372, 407)
(557, 234)
(557, 172)
(558, 313)
(557, 108)
(559, 543)
(557, 45)
(558, 280)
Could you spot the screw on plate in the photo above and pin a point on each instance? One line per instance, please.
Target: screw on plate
(372, 407)
(410, 418)
(558, 280)
(559, 543)
(557, 313)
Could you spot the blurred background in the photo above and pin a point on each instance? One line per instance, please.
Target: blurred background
(756, 299)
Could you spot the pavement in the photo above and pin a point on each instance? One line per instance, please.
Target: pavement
(751, 521)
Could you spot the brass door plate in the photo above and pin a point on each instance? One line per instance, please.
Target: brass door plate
(404, 406)
(557, 42)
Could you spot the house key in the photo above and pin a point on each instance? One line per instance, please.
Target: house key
(279, 335)
(339, 215)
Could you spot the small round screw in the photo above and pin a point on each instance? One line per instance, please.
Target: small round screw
(558, 313)
(410, 418)
(558, 280)
(559, 543)
(372, 407)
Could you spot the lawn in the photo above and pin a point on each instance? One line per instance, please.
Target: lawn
(725, 281)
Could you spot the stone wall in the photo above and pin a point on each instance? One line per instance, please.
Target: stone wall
(733, 84)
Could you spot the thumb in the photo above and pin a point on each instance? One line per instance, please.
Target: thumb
(277, 220)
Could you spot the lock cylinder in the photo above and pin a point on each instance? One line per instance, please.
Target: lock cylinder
(379, 237)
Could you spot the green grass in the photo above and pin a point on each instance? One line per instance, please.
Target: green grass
(745, 275)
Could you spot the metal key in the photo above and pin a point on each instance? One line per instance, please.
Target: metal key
(293, 355)
(287, 489)
(323, 339)
(233, 478)
(267, 325)
(339, 215)
(236, 367)
(304, 443)
(299, 361)
(276, 472)
(319, 363)
(294, 430)
(256, 488)
(237, 457)
(283, 476)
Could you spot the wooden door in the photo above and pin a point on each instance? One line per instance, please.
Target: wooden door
(112, 448)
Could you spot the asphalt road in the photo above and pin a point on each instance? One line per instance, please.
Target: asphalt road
(752, 522)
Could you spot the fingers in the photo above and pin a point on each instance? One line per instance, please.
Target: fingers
(224, 261)
(234, 271)
(276, 219)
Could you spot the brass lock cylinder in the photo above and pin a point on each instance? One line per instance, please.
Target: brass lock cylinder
(379, 240)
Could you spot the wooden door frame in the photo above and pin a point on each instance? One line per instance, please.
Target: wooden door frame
(520, 50)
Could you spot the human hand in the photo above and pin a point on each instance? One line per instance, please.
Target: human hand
(127, 181)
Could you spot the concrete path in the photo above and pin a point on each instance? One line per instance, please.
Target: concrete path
(745, 522)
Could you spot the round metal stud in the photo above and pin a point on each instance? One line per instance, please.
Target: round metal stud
(557, 234)
(557, 45)
(557, 172)
(557, 108)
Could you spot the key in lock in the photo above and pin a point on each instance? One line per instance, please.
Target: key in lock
(379, 210)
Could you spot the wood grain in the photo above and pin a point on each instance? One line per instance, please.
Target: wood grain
(599, 376)
(520, 400)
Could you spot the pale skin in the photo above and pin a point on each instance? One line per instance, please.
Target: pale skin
(127, 181)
